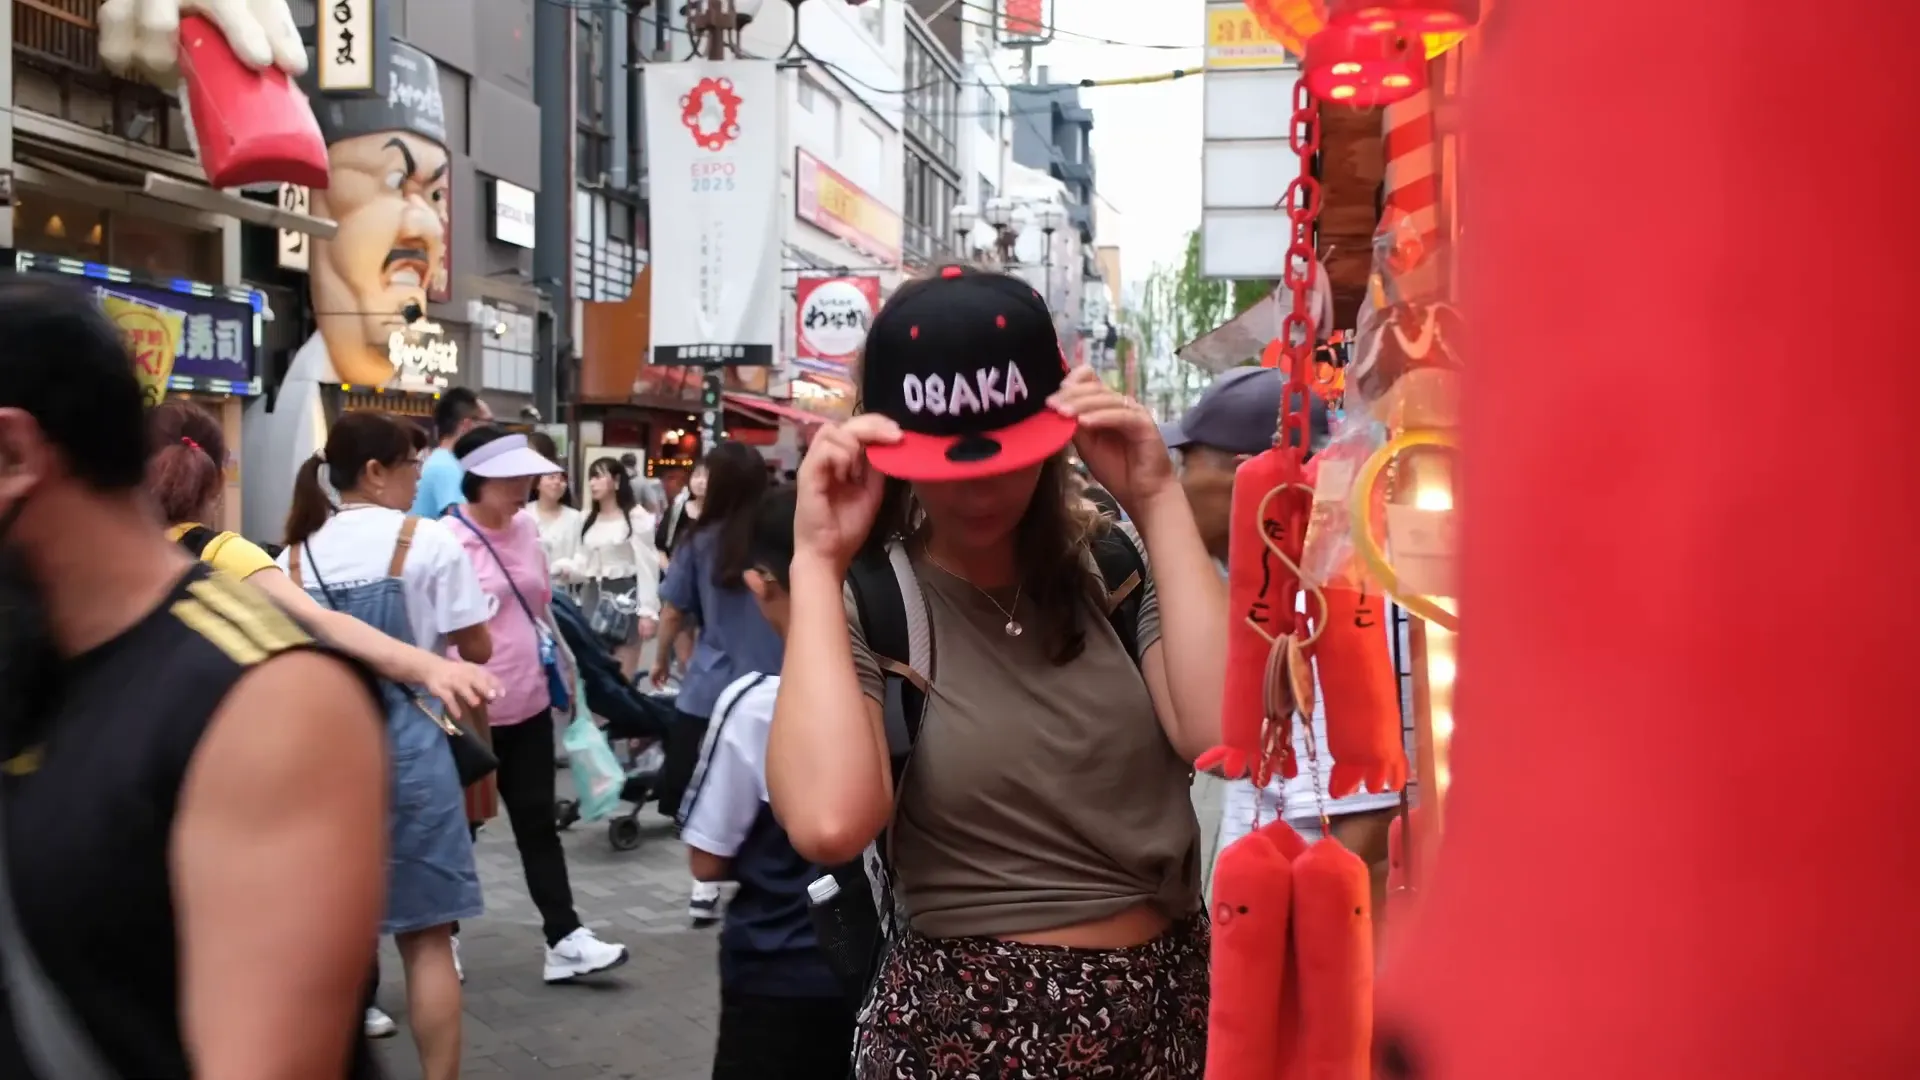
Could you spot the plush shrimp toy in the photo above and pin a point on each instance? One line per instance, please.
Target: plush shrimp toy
(1270, 502)
(1252, 910)
(1360, 692)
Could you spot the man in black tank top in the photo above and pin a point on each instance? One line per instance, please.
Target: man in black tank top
(192, 793)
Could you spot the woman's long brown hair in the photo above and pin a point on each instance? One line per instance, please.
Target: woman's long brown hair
(1052, 543)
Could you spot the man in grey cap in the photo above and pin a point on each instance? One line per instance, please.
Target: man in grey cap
(1235, 419)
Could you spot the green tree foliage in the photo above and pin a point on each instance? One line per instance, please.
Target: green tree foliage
(1202, 304)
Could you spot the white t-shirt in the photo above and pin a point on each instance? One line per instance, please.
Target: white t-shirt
(730, 783)
(355, 547)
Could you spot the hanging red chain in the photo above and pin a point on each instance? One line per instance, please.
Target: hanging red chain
(1271, 506)
(1288, 506)
(1302, 200)
(1295, 422)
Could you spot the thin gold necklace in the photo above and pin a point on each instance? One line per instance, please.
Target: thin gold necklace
(1013, 627)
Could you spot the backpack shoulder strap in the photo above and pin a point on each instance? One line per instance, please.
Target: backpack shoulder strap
(722, 712)
(400, 545)
(894, 622)
(51, 1035)
(196, 540)
(1124, 572)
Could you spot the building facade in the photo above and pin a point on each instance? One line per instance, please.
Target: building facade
(843, 182)
(1053, 136)
(933, 144)
(103, 184)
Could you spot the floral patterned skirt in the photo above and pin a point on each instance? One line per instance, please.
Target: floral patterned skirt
(982, 1009)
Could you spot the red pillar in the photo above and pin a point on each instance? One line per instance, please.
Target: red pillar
(1684, 827)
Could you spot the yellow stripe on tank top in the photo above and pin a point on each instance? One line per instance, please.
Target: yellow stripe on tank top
(225, 635)
(252, 612)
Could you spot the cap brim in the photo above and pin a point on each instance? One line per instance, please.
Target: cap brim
(1174, 435)
(522, 462)
(919, 457)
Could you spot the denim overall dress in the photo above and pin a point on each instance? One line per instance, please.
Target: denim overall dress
(431, 880)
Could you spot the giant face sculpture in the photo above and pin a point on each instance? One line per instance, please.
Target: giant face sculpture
(388, 194)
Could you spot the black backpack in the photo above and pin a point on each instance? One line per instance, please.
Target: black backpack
(898, 630)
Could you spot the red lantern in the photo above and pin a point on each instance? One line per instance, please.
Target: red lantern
(1349, 65)
(1408, 16)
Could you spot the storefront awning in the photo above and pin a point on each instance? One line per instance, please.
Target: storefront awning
(772, 412)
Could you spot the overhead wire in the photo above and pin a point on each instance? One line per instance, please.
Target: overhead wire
(800, 50)
(1075, 35)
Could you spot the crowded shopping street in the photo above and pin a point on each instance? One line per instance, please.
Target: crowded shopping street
(653, 1019)
(956, 540)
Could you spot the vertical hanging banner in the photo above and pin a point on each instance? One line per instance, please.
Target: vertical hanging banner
(714, 142)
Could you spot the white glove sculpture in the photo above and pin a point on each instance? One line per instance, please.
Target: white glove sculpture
(144, 35)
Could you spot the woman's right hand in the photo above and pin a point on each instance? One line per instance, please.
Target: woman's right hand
(462, 687)
(839, 493)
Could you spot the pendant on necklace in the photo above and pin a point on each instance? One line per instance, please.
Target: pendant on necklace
(1014, 629)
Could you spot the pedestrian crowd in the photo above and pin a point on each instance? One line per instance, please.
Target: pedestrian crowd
(931, 705)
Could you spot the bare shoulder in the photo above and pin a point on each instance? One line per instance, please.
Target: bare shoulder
(295, 718)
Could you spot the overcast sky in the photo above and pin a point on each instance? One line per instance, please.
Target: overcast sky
(1146, 139)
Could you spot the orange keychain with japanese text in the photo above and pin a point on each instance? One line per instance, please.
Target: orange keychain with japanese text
(1360, 693)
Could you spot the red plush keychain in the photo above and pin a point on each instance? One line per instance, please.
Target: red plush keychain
(1261, 590)
(1333, 952)
(252, 126)
(1252, 889)
(1360, 693)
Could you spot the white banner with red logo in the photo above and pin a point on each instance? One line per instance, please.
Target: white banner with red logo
(831, 316)
(713, 141)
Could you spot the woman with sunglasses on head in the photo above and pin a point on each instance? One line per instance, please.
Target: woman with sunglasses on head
(187, 478)
(1043, 832)
(367, 557)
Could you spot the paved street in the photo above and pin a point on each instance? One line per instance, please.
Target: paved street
(650, 1020)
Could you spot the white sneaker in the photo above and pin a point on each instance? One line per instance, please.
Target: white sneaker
(703, 907)
(379, 1025)
(581, 953)
(457, 968)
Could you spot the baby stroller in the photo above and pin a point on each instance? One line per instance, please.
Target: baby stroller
(629, 713)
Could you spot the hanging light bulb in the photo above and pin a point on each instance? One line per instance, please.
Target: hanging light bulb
(1351, 65)
(1407, 16)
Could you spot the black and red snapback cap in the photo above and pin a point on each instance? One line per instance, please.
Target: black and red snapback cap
(965, 362)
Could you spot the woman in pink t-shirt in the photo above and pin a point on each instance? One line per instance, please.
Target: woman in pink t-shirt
(503, 542)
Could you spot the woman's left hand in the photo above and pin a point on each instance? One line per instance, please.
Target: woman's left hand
(460, 686)
(1117, 439)
(645, 627)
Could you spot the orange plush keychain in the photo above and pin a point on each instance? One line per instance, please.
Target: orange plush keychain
(1360, 692)
(1261, 591)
